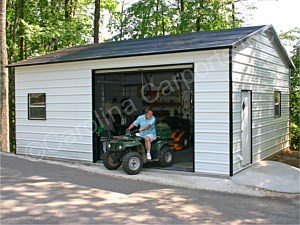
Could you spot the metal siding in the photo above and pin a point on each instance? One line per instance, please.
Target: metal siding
(212, 114)
(67, 132)
(258, 66)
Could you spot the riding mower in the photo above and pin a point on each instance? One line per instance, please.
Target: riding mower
(181, 129)
(131, 153)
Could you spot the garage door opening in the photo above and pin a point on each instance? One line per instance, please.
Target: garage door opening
(120, 96)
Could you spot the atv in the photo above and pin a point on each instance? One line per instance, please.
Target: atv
(129, 151)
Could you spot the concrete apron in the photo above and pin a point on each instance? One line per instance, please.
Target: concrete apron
(272, 176)
(188, 180)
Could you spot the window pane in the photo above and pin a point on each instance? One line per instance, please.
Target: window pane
(37, 99)
(37, 113)
(277, 103)
(277, 110)
(277, 97)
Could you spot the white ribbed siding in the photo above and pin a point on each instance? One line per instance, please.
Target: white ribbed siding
(258, 66)
(212, 113)
(67, 132)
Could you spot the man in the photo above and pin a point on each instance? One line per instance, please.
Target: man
(147, 129)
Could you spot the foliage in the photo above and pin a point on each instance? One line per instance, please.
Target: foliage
(292, 39)
(147, 18)
(38, 27)
(47, 26)
(295, 99)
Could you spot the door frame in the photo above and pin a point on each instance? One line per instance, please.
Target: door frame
(251, 121)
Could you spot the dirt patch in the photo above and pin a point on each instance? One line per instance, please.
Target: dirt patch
(287, 156)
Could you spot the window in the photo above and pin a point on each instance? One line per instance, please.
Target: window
(277, 103)
(37, 106)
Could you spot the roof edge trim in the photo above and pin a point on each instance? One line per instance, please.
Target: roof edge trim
(121, 56)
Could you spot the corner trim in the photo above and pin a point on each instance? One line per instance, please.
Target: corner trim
(94, 135)
(230, 116)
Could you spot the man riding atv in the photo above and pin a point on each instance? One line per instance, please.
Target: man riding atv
(147, 129)
(133, 150)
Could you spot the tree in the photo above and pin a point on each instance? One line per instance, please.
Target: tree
(147, 18)
(5, 145)
(291, 39)
(97, 21)
(21, 29)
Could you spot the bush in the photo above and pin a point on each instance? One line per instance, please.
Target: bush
(295, 136)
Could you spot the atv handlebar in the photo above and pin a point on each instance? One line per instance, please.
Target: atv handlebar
(131, 133)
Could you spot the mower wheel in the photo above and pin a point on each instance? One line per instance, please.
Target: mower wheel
(110, 162)
(132, 163)
(184, 141)
(166, 157)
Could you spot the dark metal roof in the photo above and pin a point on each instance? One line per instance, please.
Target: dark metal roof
(155, 45)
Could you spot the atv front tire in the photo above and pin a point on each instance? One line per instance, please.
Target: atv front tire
(166, 157)
(110, 162)
(132, 163)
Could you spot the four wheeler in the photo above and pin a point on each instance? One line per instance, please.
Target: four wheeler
(131, 153)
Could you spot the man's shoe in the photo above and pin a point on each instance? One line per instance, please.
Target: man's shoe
(148, 156)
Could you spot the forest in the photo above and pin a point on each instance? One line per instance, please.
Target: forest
(30, 28)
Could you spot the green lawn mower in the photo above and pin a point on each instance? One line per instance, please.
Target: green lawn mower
(129, 151)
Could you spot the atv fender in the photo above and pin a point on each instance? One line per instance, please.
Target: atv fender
(157, 146)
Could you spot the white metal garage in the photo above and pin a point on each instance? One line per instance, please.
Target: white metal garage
(241, 94)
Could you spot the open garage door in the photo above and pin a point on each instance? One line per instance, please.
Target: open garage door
(121, 95)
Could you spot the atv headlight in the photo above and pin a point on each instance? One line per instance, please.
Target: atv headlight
(120, 147)
(108, 145)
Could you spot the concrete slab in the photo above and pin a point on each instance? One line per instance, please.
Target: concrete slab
(272, 176)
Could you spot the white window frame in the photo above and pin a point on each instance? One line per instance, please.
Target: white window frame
(36, 105)
(277, 104)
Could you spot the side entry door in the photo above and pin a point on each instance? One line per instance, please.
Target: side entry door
(246, 127)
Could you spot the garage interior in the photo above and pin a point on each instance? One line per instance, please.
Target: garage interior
(120, 96)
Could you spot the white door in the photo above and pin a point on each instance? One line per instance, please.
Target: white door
(246, 127)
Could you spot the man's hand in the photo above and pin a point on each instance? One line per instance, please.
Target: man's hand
(130, 127)
(141, 129)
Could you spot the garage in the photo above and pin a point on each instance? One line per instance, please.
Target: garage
(225, 91)
(120, 96)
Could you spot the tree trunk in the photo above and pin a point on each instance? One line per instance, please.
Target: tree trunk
(14, 33)
(163, 18)
(67, 9)
(233, 13)
(181, 5)
(5, 146)
(198, 20)
(97, 21)
(21, 16)
(156, 18)
(121, 21)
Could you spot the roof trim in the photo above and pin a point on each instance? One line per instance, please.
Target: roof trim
(122, 56)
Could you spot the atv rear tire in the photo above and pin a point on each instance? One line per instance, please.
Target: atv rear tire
(132, 163)
(166, 157)
(109, 162)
